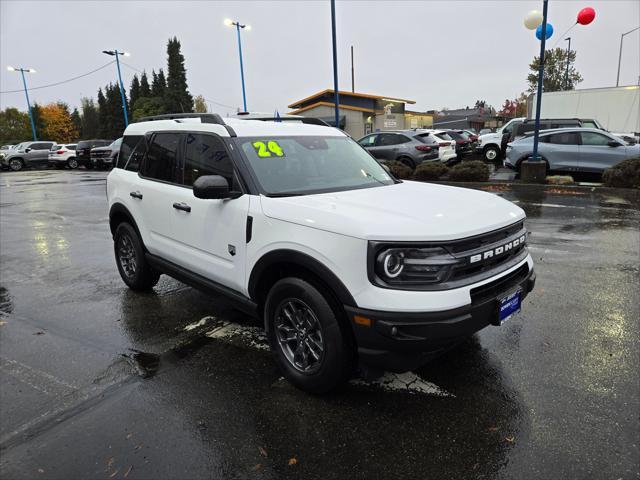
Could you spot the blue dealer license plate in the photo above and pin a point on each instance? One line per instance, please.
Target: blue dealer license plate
(509, 305)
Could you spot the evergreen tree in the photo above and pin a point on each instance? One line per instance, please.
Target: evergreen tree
(103, 115)
(158, 85)
(555, 71)
(145, 90)
(178, 98)
(14, 126)
(134, 91)
(90, 119)
(38, 120)
(76, 120)
(115, 113)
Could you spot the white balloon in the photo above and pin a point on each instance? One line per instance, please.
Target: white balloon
(533, 20)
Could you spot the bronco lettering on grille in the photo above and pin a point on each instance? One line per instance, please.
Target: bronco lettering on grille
(498, 250)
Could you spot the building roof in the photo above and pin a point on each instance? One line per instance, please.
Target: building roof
(329, 104)
(299, 103)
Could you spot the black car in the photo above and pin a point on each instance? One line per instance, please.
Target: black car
(105, 157)
(83, 150)
(463, 144)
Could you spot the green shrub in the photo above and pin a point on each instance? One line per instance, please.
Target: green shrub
(626, 174)
(430, 171)
(400, 170)
(474, 171)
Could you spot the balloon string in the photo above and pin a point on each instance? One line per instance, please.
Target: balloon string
(562, 36)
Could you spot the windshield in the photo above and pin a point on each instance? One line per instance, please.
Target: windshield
(311, 164)
(21, 146)
(116, 143)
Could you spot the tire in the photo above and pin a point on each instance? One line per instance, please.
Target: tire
(16, 164)
(72, 163)
(491, 154)
(408, 162)
(306, 338)
(132, 264)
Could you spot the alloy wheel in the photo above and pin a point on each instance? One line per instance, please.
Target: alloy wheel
(15, 165)
(73, 163)
(127, 256)
(299, 335)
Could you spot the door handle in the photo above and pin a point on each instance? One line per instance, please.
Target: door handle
(182, 206)
(136, 194)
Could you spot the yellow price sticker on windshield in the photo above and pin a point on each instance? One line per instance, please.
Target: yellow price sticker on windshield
(268, 149)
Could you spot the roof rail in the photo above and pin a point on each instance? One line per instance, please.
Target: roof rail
(204, 117)
(305, 120)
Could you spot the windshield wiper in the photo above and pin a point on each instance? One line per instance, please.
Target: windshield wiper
(285, 194)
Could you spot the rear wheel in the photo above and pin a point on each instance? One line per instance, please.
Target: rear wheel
(16, 164)
(407, 161)
(306, 338)
(72, 163)
(132, 264)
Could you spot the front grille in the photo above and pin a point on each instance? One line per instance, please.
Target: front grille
(100, 154)
(495, 288)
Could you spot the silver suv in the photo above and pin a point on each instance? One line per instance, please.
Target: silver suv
(411, 147)
(28, 154)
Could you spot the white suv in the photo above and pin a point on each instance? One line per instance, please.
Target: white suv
(299, 225)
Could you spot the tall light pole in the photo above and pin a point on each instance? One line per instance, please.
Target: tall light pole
(566, 75)
(238, 25)
(335, 63)
(536, 134)
(26, 93)
(620, 55)
(116, 53)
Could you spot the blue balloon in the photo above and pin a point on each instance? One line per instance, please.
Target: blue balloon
(549, 31)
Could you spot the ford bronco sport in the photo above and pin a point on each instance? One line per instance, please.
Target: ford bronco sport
(296, 223)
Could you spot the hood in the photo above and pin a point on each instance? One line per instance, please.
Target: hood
(490, 137)
(407, 211)
(101, 149)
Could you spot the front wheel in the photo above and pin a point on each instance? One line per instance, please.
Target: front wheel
(491, 153)
(16, 164)
(308, 342)
(132, 264)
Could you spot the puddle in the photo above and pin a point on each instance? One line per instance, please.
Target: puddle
(6, 305)
(146, 364)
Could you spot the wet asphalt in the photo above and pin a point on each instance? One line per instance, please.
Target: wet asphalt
(97, 381)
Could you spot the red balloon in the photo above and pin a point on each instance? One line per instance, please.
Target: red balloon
(586, 16)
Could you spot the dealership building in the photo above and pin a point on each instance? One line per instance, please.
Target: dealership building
(362, 113)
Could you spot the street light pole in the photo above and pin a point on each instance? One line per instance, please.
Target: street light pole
(116, 53)
(335, 63)
(620, 54)
(566, 75)
(26, 93)
(238, 26)
(540, 77)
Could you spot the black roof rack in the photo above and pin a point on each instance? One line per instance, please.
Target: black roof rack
(305, 120)
(204, 117)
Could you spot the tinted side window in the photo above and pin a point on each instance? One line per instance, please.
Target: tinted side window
(388, 139)
(135, 159)
(565, 138)
(41, 146)
(368, 141)
(161, 160)
(126, 148)
(403, 139)
(71, 147)
(205, 155)
(591, 138)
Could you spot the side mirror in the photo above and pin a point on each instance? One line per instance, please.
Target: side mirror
(213, 187)
(27, 150)
(613, 143)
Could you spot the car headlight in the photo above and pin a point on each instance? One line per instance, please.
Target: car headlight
(412, 265)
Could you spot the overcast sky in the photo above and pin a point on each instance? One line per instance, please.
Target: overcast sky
(438, 53)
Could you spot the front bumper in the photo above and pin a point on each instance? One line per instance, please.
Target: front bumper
(401, 341)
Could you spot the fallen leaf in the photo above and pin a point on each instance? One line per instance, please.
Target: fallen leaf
(2, 322)
(292, 461)
(128, 471)
(263, 452)
(257, 467)
(510, 439)
(138, 447)
(39, 332)
(129, 436)
(110, 462)
(114, 473)
(40, 470)
(493, 429)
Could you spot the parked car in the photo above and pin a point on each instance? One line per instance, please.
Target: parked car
(105, 157)
(473, 136)
(63, 155)
(447, 151)
(573, 150)
(83, 151)
(296, 224)
(27, 154)
(406, 146)
(493, 146)
(463, 144)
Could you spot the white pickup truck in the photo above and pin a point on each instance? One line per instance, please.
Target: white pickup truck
(490, 145)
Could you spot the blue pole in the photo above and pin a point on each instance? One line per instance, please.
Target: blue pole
(33, 125)
(244, 95)
(124, 100)
(540, 77)
(335, 63)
